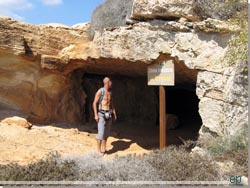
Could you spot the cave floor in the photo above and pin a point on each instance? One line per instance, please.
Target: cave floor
(23, 146)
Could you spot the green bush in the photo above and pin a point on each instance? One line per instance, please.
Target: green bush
(111, 13)
(235, 143)
(231, 148)
(219, 9)
(237, 48)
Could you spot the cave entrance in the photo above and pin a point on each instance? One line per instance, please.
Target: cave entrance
(184, 104)
(137, 105)
(133, 99)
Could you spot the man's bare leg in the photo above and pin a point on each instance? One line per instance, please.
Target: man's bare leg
(103, 146)
(99, 142)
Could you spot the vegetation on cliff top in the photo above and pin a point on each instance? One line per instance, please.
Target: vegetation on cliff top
(238, 46)
(237, 49)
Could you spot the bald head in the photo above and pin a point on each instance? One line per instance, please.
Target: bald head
(107, 82)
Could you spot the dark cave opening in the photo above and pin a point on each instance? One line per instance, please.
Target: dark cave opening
(137, 108)
(133, 99)
(181, 102)
(185, 105)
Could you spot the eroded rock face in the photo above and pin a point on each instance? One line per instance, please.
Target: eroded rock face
(32, 40)
(223, 100)
(25, 84)
(170, 9)
(42, 66)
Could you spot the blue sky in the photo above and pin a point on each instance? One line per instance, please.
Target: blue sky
(68, 12)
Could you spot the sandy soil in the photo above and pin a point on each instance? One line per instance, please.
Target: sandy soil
(20, 145)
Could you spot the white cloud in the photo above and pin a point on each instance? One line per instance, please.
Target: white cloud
(15, 4)
(52, 2)
(8, 8)
(11, 15)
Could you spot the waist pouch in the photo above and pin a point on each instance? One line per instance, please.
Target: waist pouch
(107, 114)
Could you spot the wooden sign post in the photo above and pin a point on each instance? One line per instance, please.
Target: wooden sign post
(162, 110)
(162, 74)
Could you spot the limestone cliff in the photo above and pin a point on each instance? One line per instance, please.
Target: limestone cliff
(41, 66)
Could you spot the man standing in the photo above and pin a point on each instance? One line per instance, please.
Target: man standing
(103, 117)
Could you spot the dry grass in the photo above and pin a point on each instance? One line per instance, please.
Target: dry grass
(50, 168)
(169, 164)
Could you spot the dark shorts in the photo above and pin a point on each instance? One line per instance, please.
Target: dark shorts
(104, 127)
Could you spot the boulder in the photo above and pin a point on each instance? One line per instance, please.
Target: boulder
(164, 9)
(17, 121)
(172, 121)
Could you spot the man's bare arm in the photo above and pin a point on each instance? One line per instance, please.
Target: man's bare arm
(114, 111)
(97, 96)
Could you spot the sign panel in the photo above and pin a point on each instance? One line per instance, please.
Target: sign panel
(161, 74)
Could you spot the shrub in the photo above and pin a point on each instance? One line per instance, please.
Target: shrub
(219, 9)
(176, 164)
(239, 159)
(171, 163)
(50, 168)
(233, 148)
(237, 48)
(127, 168)
(235, 143)
(111, 13)
(238, 45)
